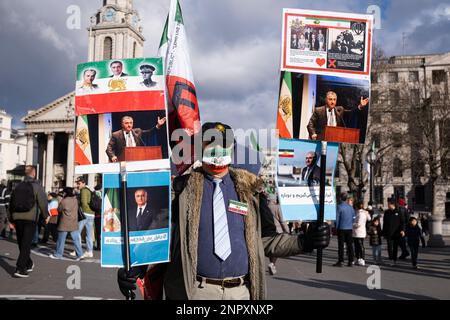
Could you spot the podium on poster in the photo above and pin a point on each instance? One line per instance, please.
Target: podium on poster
(341, 134)
(142, 153)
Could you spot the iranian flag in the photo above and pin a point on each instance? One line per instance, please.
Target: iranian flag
(111, 211)
(286, 153)
(99, 91)
(284, 115)
(182, 97)
(83, 150)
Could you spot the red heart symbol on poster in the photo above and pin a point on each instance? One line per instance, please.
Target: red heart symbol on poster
(320, 61)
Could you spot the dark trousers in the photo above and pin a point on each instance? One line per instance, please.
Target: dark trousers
(345, 236)
(98, 231)
(25, 233)
(360, 251)
(52, 229)
(403, 246)
(392, 245)
(414, 248)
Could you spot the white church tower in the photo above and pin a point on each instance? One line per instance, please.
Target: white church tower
(115, 32)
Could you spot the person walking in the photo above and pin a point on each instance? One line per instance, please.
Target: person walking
(345, 217)
(98, 219)
(52, 220)
(28, 202)
(68, 223)
(413, 234)
(375, 235)
(3, 207)
(88, 223)
(280, 226)
(360, 233)
(403, 210)
(393, 230)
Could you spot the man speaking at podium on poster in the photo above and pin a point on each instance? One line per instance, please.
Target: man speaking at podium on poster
(128, 137)
(330, 115)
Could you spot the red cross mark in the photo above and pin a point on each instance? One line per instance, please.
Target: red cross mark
(331, 63)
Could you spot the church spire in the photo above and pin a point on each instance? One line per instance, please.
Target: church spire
(115, 32)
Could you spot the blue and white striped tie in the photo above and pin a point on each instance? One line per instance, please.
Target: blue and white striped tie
(222, 245)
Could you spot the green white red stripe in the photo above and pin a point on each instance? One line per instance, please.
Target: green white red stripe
(286, 153)
(284, 115)
(238, 207)
(83, 148)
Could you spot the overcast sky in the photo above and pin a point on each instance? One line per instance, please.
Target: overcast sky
(234, 45)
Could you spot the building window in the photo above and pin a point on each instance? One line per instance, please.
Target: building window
(396, 140)
(419, 194)
(107, 51)
(378, 194)
(439, 76)
(337, 170)
(1, 134)
(394, 97)
(0, 147)
(1, 120)
(398, 168)
(377, 169)
(18, 150)
(413, 76)
(374, 96)
(445, 167)
(415, 96)
(397, 116)
(374, 77)
(134, 49)
(393, 77)
(399, 192)
(435, 96)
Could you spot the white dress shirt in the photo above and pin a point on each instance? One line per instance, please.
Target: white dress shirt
(129, 139)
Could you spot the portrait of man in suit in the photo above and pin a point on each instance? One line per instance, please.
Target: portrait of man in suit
(129, 137)
(142, 216)
(330, 115)
(311, 171)
(117, 69)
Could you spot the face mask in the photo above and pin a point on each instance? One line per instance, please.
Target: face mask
(217, 157)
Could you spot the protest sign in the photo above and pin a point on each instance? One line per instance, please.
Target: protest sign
(121, 115)
(328, 43)
(148, 208)
(298, 179)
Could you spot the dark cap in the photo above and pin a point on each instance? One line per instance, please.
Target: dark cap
(80, 179)
(211, 130)
(147, 66)
(53, 194)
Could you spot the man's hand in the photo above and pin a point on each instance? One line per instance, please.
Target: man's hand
(47, 220)
(160, 122)
(114, 159)
(127, 281)
(402, 233)
(363, 103)
(314, 137)
(316, 237)
(12, 226)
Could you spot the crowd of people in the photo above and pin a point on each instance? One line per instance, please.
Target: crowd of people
(396, 225)
(30, 212)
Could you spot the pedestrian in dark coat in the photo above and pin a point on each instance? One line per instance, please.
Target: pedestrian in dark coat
(413, 234)
(393, 229)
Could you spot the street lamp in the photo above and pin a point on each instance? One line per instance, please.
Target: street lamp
(371, 158)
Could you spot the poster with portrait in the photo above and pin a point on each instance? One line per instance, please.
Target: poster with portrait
(298, 179)
(323, 108)
(121, 115)
(327, 43)
(148, 208)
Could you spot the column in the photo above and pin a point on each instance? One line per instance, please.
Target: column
(49, 162)
(30, 148)
(70, 159)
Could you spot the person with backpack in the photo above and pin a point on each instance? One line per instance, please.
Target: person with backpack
(96, 205)
(88, 223)
(28, 201)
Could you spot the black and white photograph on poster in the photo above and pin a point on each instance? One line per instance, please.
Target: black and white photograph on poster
(328, 43)
(327, 108)
(109, 138)
(346, 47)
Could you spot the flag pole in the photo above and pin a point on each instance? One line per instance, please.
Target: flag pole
(321, 216)
(126, 236)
